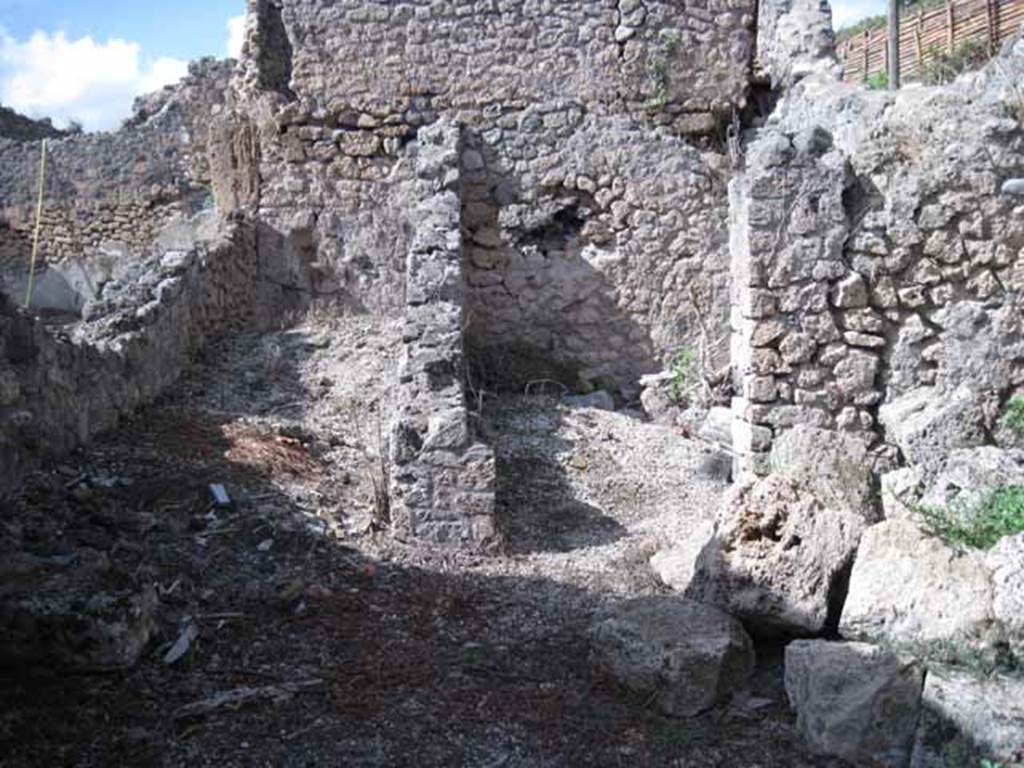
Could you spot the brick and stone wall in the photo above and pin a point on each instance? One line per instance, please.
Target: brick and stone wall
(443, 477)
(59, 387)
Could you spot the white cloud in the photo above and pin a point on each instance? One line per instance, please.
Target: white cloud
(236, 35)
(94, 83)
(847, 12)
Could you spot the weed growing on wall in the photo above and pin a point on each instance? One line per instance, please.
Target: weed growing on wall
(1013, 415)
(979, 526)
(682, 374)
(660, 68)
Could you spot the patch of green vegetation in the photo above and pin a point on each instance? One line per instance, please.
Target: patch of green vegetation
(659, 68)
(878, 81)
(1013, 415)
(939, 66)
(682, 374)
(981, 525)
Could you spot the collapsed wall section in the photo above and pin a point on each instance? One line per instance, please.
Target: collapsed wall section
(443, 480)
(877, 267)
(108, 195)
(60, 387)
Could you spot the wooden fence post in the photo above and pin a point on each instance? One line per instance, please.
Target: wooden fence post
(893, 51)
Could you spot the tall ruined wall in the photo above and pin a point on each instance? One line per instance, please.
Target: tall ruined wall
(21, 128)
(58, 388)
(109, 195)
(878, 266)
(595, 233)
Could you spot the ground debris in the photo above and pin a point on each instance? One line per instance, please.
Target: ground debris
(236, 698)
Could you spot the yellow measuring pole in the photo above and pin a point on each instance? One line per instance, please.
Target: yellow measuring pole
(39, 224)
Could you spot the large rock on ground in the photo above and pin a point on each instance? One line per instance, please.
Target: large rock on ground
(833, 466)
(677, 565)
(928, 423)
(970, 474)
(907, 587)
(689, 656)
(965, 719)
(779, 558)
(59, 620)
(1005, 563)
(854, 700)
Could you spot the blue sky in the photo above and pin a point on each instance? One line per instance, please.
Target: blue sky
(87, 60)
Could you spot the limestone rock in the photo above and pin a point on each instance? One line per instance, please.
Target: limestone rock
(600, 400)
(965, 719)
(717, 427)
(778, 558)
(901, 491)
(971, 474)
(677, 565)
(691, 657)
(927, 423)
(910, 588)
(854, 700)
(1005, 563)
(79, 630)
(832, 466)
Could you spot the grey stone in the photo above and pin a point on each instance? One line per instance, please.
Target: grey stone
(927, 424)
(832, 466)
(910, 588)
(1013, 187)
(971, 474)
(1005, 563)
(777, 559)
(717, 427)
(601, 400)
(965, 719)
(854, 700)
(676, 566)
(688, 657)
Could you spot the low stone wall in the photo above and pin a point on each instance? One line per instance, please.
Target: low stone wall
(59, 387)
(443, 479)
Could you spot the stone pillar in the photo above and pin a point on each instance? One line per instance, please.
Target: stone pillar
(442, 478)
(805, 347)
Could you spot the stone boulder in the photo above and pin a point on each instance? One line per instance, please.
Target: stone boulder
(910, 588)
(833, 466)
(970, 474)
(928, 423)
(901, 493)
(854, 700)
(965, 719)
(777, 560)
(687, 656)
(677, 565)
(1005, 564)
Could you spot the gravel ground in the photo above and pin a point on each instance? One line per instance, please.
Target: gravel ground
(342, 647)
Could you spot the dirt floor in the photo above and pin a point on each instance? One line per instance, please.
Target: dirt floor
(315, 640)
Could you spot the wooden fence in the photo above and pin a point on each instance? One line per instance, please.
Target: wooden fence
(930, 34)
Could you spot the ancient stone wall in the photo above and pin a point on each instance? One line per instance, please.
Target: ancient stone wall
(21, 128)
(443, 478)
(596, 234)
(58, 387)
(109, 195)
(877, 266)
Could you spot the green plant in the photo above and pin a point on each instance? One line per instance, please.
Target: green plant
(658, 66)
(878, 81)
(939, 67)
(980, 525)
(682, 374)
(1013, 415)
